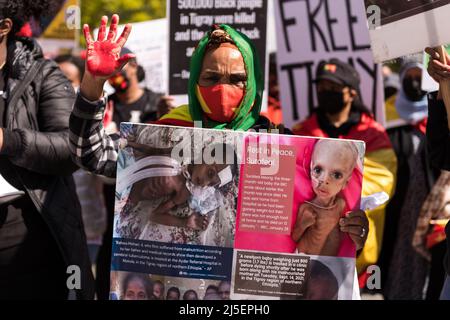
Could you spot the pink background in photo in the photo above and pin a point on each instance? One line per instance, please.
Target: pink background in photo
(302, 192)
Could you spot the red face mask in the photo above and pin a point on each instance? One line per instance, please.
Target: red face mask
(119, 81)
(219, 102)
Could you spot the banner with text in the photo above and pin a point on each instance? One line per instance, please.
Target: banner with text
(310, 31)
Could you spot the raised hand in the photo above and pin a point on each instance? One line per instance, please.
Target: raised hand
(436, 69)
(103, 56)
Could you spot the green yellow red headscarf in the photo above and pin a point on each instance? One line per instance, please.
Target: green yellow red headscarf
(248, 112)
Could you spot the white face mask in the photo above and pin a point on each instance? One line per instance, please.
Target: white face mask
(203, 199)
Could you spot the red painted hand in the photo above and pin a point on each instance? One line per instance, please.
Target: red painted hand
(103, 56)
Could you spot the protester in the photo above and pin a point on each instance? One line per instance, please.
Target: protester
(41, 233)
(92, 203)
(219, 116)
(415, 179)
(391, 84)
(72, 67)
(438, 138)
(132, 103)
(429, 236)
(342, 115)
(224, 64)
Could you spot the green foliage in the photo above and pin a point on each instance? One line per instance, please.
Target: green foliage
(128, 10)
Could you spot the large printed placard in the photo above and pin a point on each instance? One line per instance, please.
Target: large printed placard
(309, 31)
(224, 214)
(403, 27)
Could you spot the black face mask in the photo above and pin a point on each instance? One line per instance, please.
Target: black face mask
(413, 89)
(331, 102)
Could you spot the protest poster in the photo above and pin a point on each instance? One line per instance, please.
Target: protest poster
(211, 214)
(190, 20)
(311, 31)
(399, 28)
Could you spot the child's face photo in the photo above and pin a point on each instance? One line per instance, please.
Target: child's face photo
(206, 175)
(331, 168)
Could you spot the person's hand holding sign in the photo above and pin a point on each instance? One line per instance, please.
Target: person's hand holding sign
(439, 70)
(436, 69)
(103, 57)
(356, 224)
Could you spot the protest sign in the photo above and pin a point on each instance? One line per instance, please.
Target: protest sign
(399, 28)
(198, 209)
(190, 20)
(314, 30)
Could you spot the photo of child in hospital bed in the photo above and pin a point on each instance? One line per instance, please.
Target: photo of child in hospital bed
(156, 175)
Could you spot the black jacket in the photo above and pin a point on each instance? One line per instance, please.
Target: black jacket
(149, 110)
(36, 143)
(438, 140)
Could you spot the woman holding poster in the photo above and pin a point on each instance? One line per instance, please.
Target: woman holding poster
(225, 92)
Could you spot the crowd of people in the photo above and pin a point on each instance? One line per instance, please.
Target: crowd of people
(59, 144)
